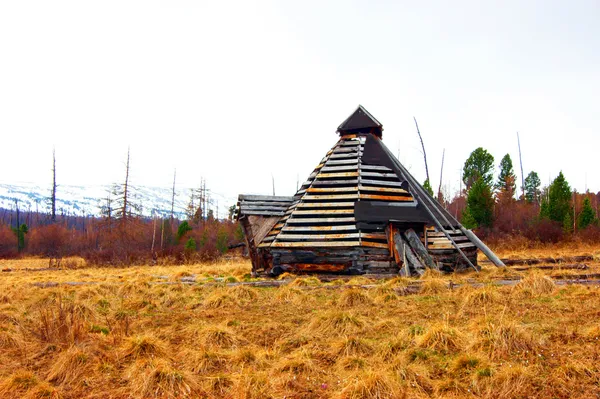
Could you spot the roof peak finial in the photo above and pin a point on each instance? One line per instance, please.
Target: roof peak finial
(361, 121)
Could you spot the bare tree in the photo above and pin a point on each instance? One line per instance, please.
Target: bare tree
(173, 195)
(423, 146)
(521, 161)
(53, 193)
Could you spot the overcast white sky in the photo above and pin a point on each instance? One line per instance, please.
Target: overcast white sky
(237, 91)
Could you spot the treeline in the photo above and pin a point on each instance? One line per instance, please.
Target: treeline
(119, 241)
(539, 213)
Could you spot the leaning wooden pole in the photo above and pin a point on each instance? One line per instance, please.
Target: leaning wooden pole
(424, 197)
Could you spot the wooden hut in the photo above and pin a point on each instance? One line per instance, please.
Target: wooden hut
(360, 211)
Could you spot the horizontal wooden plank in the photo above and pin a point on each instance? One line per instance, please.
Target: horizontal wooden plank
(450, 246)
(373, 236)
(263, 213)
(245, 197)
(338, 174)
(341, 150)
(308, 244)
(321, 228)
(313, 197)
(378, 174)
(264, 203)
(344, 156)
(327, 205)
(321, 220)
(338, 168)
(269, 237)
(331, 189)
(437, 240)
(381, 183)
(386, 197)
(291, 236)
(375, 167)
(342, 162)
(335, 182)
(383, 189)
(441, 234)
(323, 211)
(374, 244)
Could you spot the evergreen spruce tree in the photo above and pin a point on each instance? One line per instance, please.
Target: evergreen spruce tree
(480, 203)
(506, 178)
(587, 216)
(532, 187)
(559, 199)
(183, 228)
(479, 164)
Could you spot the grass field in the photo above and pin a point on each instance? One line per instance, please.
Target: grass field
(141, 332)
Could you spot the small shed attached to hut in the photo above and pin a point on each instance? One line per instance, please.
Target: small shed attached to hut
(360, 211)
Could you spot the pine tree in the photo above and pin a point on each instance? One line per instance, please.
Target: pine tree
(559, 199)
(506, 178)
(480, 203)
(183, 228)
(587, 216)
(532, 187)
(479, 164)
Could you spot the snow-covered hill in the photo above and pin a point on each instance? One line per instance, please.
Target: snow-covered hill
(87, 200)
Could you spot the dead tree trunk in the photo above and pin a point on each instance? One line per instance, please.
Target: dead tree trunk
(53, 198)
(424, 154)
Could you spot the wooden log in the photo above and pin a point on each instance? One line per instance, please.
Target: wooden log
(533, 261)
(488, 252)
(409, 260)
(419, 249)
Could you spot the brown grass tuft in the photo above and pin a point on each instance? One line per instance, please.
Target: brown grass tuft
(504, 339)
(69, 367)
(433, 286)
(214, 336)
(144, 346)
(352, 346)
(335, 323)
(535, 284)
(442, 338)
(371, 385)
(354, 297)
(158, 378)
(218, 299)
(243, 293)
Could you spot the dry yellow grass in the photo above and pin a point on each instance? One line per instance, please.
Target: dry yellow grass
(141, 333)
